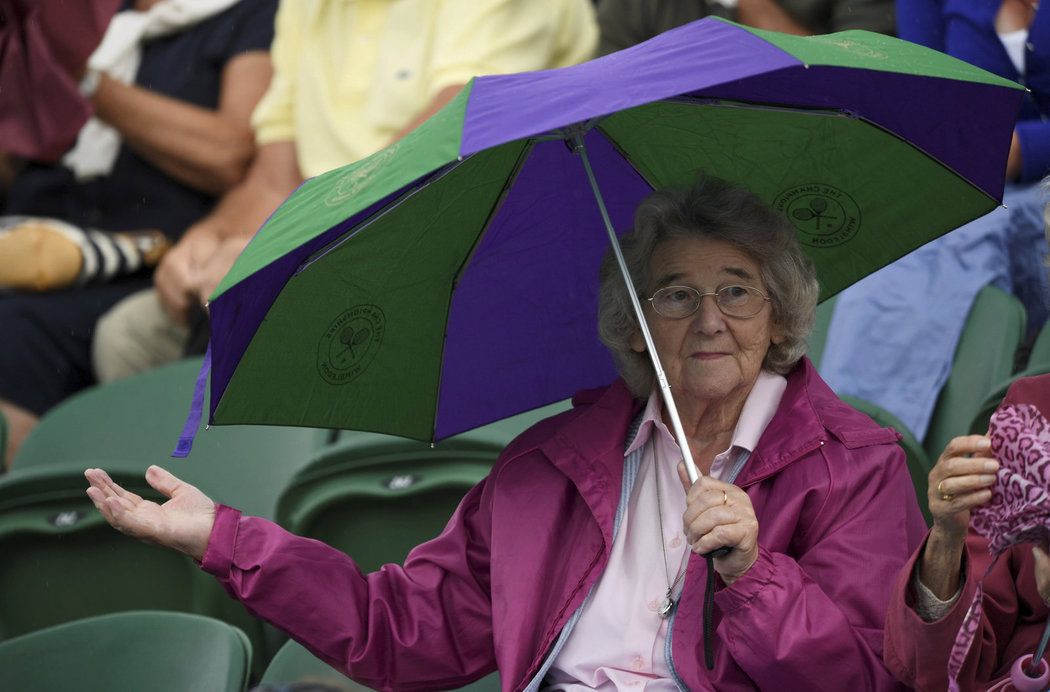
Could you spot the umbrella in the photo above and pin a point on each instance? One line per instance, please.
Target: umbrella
(450, 279)
(1019, 512)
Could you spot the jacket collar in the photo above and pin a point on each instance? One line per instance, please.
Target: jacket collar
(588, 448)
(810, 414)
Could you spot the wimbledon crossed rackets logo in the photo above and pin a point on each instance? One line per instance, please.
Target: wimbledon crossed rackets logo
(350, 344)
(824, 215)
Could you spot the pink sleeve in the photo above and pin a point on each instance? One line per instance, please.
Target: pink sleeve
(431, 617)
(816, 618)
(1011, 622)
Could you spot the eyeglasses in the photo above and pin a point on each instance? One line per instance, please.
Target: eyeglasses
(677, 302)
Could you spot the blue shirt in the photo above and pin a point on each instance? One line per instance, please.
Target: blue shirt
(893, 335)
(965, 29)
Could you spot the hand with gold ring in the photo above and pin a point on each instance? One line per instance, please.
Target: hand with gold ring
(960, 480)
(945, 497)
(720, 515)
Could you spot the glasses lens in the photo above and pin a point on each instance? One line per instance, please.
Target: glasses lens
(676, 301)
(740, 301)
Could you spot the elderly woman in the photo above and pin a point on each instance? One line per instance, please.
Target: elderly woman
(937, 586)
(577, 563)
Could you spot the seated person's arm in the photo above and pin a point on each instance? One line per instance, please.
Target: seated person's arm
(191, 270)
(767, 14)
(437, 103)
(432, 615)
(957, 484)
(205, 149)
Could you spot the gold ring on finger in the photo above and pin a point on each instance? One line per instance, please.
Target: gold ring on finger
(725, 498)
(946, 497)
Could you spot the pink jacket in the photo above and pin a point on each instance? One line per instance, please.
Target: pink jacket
(1011, 624)
(838, 520)
(1013, 617)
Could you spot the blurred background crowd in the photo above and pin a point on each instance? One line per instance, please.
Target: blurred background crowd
(143, 142)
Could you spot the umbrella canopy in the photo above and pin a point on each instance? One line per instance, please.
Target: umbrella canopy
(450, 280)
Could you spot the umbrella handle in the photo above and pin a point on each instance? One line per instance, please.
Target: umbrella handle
(576, 144)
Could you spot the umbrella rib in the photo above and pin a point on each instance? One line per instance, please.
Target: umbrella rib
(468, 256)
(842, 113)
(714, 102)
(347, 235)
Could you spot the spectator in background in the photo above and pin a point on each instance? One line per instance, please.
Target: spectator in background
(627, 22)
(935, 589)
(903, 323)
(349, 79)
(180, 136)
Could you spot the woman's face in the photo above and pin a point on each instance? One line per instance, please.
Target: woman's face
(708, 356)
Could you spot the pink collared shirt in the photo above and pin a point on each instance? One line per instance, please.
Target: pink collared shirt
(618, 642)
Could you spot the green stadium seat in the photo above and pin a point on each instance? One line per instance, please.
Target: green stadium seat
(156, 651)
(127, 425)
(50, 533)
(979, 426)
(983, 359)
(918, 462)
(63, 562)
(294, 664)
(1039, 356)
(375, 497)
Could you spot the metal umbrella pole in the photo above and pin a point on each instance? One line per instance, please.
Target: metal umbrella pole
(665, 388)
(578, 146)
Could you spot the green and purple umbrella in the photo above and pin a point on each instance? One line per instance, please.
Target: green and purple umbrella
(450, 280)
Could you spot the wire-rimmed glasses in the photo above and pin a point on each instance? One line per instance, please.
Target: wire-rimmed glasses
(678, 302)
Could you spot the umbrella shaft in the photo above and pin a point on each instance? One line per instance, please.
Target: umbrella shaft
(580, 148)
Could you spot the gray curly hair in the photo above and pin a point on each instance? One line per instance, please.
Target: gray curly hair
(710, 209)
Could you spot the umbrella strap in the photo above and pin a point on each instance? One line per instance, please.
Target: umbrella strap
(967, 631)
(709, 607)
(193, 418)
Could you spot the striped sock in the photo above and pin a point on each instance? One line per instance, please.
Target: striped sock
(102, 255)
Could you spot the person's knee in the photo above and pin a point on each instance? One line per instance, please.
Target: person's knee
(135, 336)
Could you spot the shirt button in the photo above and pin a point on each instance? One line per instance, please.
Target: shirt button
(637, 663)
(634, 682)
(654, 605)
(675, 542)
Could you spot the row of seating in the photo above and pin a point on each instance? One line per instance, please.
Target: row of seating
(161, 651)
(63, 562)
(983, 368)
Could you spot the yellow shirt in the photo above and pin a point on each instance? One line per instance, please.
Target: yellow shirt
(350, 74)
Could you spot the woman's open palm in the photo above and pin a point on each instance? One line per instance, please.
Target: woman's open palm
(184, 522)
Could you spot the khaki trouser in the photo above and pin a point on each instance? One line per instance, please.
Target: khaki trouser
(136, 335)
